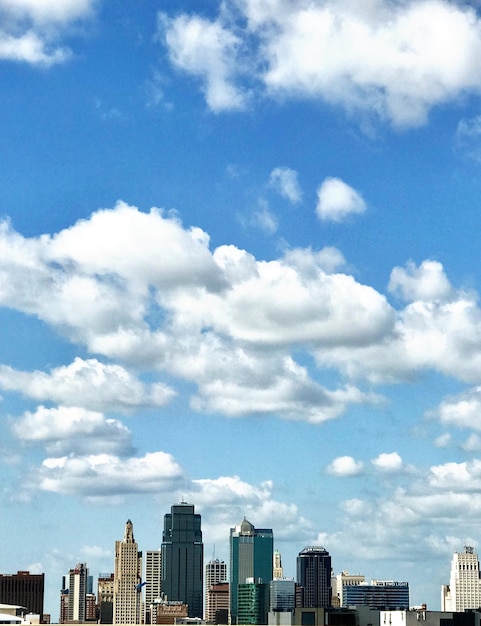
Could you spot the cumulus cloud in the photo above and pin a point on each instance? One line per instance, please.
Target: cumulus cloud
(108, 474)
(89, 384)
(208, 50)
(285, 181)
(462, 410)
(336, 201)
(388, 462)
(71, 429)
(392, 61)
(426, 283)
(345, 466)
(31, 29)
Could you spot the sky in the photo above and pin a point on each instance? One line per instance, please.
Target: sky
(240, 267)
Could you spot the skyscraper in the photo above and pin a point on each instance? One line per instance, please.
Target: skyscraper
(314, 577)
(127, 576)
(251, 556)
(183, 558)
(73, 594)
(23, 589)
(278, 572)
(105, 597)
(215, 572)
(153, 583)
(464, 589)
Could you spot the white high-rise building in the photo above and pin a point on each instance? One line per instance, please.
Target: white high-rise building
(215, 572)
(153, 584)
(73, 595)
(127, 579)
(464, 589)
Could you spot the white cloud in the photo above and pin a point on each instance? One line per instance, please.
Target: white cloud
(388, 462)
(89, 384)
(106, 474)
(265, 220)
(467, 140)
(71, 429)
(336, 201)
(462, 410)
(207, 50)
(392, 61)
(284, 180)
(427, 282)
(345, 466)
(31, 29)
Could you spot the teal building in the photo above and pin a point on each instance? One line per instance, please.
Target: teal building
(251, 557)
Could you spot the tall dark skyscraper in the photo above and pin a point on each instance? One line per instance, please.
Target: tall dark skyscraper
(314, 577)
(251, 556)
(183, 558)
(23, 589)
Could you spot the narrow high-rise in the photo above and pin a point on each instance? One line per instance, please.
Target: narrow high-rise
(314, 577)
(153, 584)
(127, 578)
(183, 558)
(251, 557)
(464, 589)
(74, 593)
(215, 573)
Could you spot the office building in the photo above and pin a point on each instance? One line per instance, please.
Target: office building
(282, 595)
(385, 595)
(215, 572)
(127, 603)
(73, 595)
(23, 589)
(183, 558)
(314, 577)
(252, 602)
(464, 589)
(251, 557)
(339, 582)
(218, 603)
(105, 597)
(170, 612)
(153, 583)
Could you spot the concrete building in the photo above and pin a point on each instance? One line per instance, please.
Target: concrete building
(251, 557)
(218, 603)
(127, 605)
(73, 595)
(169, 612)
(183, 558)
(464, 589)
(215, 573)
(277, 571)
(23, 589)
(380, 594)
(314, 577)
(153, 583)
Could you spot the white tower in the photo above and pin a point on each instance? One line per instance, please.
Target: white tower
(153, 579)
(215, 572)
(127, 579)
(464, 589)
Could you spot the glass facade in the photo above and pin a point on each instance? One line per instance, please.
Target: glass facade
(183, 558)
(314, 577)
(382, 595)
(253, 603)
(251, 556)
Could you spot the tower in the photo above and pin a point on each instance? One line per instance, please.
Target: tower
(314, 577)
(153, 586)
(75, 583)
(215, 572)
(464, 589)
(251, 556)
(127, 579)
(183, 558)
(278, 572)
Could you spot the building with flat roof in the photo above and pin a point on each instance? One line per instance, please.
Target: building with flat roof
(464, 589)
(215, 573)
(23, 589)
(380, 594)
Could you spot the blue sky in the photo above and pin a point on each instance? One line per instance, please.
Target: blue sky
(239, 265)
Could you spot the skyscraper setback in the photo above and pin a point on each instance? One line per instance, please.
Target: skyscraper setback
(251, 556)
(127, 577)
(183, 558)
(464, 589)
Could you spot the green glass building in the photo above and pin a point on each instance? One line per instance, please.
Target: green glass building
(251, 557)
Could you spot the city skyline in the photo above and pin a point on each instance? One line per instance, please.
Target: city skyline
(239, 267)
